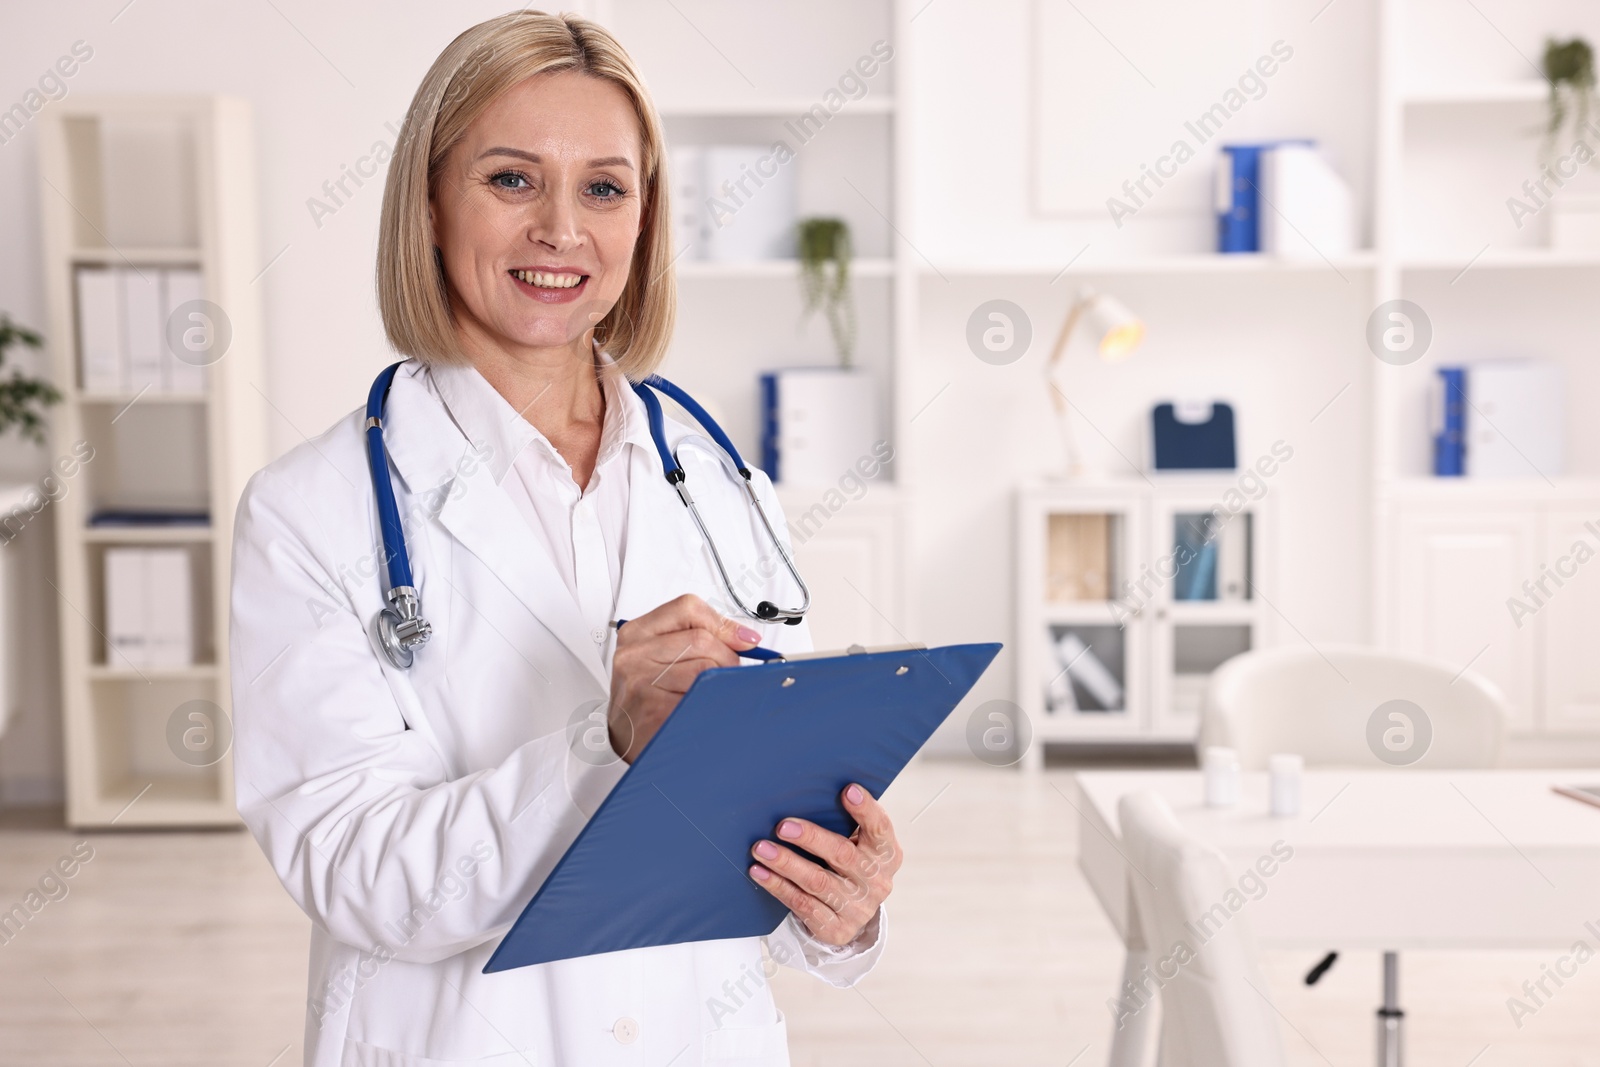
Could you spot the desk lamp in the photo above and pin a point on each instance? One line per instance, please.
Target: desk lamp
(1116, 332)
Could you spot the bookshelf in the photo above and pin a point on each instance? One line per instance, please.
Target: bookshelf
(1458, 117)
(149, 184)
(1118, 625)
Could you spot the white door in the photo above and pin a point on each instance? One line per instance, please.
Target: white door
(1567, 602)
(1457, 569)
(1081, 631)
(1207, 610)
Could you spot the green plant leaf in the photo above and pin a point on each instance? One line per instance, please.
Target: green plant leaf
(23, 399)
(825, 252)
(1569, 71)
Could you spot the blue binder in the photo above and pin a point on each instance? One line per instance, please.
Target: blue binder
(1238, 198)
(771, 456)
(665, 858)
(1450, 425)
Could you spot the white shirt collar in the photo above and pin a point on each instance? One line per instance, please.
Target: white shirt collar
(488, 420)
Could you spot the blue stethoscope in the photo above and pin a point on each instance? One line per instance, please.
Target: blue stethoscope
(400, 627)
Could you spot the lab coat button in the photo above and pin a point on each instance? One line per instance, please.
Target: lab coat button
(599, 636)
(625, 1030)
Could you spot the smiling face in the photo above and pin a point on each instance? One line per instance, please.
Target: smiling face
(536, 213)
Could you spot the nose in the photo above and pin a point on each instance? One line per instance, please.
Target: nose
(553, 224)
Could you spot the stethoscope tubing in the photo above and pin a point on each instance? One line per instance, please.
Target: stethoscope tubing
(396, 560)
(401, 628)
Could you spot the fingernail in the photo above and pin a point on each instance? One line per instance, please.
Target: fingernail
(760, 874)
(766, 850)
(744, 633)
(854, 794)
(789, 828)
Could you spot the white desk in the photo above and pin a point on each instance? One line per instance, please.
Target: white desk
(1386, 860)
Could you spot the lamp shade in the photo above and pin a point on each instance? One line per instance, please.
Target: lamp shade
(1116, 330)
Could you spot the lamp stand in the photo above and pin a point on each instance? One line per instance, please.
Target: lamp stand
(1076, 468)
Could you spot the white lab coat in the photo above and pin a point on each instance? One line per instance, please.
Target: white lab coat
(412, 814)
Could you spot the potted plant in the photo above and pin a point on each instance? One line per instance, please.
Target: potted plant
(825, 279)
(1569, 71)
(23, 399)
(821, 422)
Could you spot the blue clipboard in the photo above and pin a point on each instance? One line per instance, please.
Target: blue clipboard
(665, 858)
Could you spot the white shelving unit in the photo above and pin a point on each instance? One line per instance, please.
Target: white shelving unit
(1510, 92)
(1113, 568)
(766, 107)
(1449, 554)
(1160, 265)
(784, 269)
(150, 183)
(737, 320)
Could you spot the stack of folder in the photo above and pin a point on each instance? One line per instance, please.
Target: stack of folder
(149, 611)
(123, 320)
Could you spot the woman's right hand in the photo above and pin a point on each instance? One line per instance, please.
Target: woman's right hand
(659, 655)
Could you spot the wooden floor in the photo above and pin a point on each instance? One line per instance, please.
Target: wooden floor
(179, 949)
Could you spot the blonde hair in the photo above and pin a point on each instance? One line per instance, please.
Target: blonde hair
(469, 75)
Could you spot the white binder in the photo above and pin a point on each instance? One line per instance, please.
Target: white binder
(142, 321)
(149, 608)
(750, 203)
(1514, 419)
(181, 375)
(99, 330)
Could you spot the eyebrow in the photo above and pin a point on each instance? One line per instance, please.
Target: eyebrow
(517, 153)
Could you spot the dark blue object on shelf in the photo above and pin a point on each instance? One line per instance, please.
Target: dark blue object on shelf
(1238, 198)
(1193, 438)
(1449, 432)
(148, 517)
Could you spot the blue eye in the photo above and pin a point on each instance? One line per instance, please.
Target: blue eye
(606, 189)
(506, 178)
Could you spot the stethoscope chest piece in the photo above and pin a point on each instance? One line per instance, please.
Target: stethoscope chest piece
(401, 628)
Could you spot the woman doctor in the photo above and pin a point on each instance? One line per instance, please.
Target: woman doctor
(413, 813)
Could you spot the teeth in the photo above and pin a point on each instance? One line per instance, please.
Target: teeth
(548, 281)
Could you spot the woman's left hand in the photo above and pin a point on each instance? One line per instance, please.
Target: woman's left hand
(835, 902)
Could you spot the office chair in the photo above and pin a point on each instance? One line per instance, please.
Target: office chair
(1317, 702)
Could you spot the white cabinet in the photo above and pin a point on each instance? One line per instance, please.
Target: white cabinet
(1129, 594)
(849, 560)
(1456, 568)
(1569, 618)
(1504, 580)
(1075, 550)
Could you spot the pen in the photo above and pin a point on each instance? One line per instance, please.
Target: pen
(765, 654)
